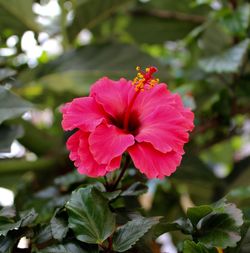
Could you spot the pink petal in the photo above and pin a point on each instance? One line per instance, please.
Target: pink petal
(73, 145)
(88, 165)
(108, 142)
(151, 162)
(188, 115)
(114, 164)
(114, 96)
(82, 113)
(149, 100)
(165, 128)
(84, 160)
(164, 121)
(159, 96)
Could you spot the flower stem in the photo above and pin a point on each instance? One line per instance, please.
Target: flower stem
(125, 166)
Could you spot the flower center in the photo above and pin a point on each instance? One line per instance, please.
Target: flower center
(129, 121)
(144, 79)
(133, 122)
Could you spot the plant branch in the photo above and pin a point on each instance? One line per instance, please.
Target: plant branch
(170, 15)
(234, 4)
(125, 166)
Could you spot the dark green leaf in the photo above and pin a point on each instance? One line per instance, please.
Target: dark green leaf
(108, 195)
(59, 226)
(181, 224)
(111, 195)
(197, 213)
(89, 215)
(192, 247)
(221, 228)
(8, 212)
(145, 28)
(239, 193)
(7, 243)
(135, 189)
(17, 15)
(11, 105)
(68, 248)
(198, 178)
(236, 21)
(27, 217)
(244, 245)
(7, 135)
(213, 39)
(39, 141)
(47, 193)
(44, 234)
(127, 235)
(228, 61)
(78, 69)
(90, 13)
(7, 225)
(158, 21)
(5, 73)
(69, 179)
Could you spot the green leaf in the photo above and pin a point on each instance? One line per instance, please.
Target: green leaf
(39, 141)
(78, 69)
(7, 243)
(244, 245)
(213, 39)
(236, 21)
(8, 212)
(7, 135)
(7, 225)
(148, 29)
(197, 177)
(239, 193)
(127, 235)
(158, 21)
(197, 213)
(228, 61)
(181, 224)
(59, 226)
(6, 73)
(221, 228)
(192, 247)
(89, 215)
(90, 13)
(68, 248)
(28, 217)
(44, 234)
(17, 15)
(111, 195)
(11, 105)
(69, 179)
(135, 189)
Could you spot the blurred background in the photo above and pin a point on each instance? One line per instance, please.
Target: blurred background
(53, 50)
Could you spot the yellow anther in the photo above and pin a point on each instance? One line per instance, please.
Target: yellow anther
(144, 79)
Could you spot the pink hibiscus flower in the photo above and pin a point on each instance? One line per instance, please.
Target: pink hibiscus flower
(119, 116)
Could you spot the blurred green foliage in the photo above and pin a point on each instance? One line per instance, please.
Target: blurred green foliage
(201, 48)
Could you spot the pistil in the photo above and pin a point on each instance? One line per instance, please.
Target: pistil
(143, 80)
